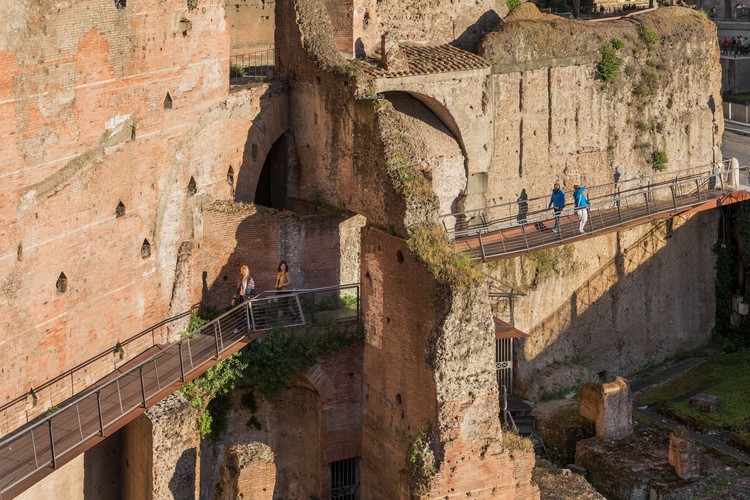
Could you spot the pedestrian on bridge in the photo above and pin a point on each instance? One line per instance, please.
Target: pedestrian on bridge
(245, 288)
(557, 203)
(581, 206)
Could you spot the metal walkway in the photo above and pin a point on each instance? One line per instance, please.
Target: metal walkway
(35, 450)
(526, 225)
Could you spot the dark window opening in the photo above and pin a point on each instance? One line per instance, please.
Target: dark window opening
(192, 189)
(62, 284)
(399, 257)
(120, 210)
(271, 189)
(167, 101)
(145, 249)
(345, 479)
(120, 4)
(230, 176)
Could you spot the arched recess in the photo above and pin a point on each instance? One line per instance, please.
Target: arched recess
(441, 150)
(271, 188)
(442, 113)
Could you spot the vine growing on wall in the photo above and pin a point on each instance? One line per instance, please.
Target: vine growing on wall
(266, 366)
(420, 463)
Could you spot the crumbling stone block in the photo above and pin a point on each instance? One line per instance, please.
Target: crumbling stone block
(393, 58)
(610, 407)
(248, 471)
(683, 454)
(706, 403)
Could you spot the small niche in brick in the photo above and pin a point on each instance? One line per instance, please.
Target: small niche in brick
(399, 257)
(230, 176)
(145, 249)
(185, 26)
(62, 283)
(120, 210)
(19, 252)
(167, 101)
(192, 189)
(120, 4)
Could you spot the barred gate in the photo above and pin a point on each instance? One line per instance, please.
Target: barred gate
(504, 363)
(345, 479)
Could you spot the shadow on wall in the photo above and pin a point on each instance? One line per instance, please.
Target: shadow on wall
(470, 38)
(627, 315)
(310, 245)
(182, 484)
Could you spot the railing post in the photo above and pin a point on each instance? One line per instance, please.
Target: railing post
(645, 196)
(216, 338)
(358, 303)
(525, 240)
(52, 444)
(674, 199)
(143, 386)
(182, 365)
(249, 317)
(481, 247)
(99, 410)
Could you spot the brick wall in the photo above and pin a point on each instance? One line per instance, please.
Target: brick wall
(137, 459)
(399, 394)
(251, 25)
(237, 234)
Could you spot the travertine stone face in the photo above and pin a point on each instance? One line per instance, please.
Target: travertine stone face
(610, 406)
(683, 454)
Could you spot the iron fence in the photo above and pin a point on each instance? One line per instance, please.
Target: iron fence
(97, 411)
(256, 66)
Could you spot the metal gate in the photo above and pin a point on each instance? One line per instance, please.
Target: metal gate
(504, 363)
(345, 479)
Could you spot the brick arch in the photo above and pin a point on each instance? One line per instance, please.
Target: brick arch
(265, 129)
(442, 113)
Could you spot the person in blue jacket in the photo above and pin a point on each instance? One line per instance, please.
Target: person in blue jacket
(581, 206)
(557, 203)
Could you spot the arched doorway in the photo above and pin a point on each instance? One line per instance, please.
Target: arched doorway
(272, 182)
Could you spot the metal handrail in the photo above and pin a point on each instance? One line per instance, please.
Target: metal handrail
(519, 214)
(72, 371)
(201, 347)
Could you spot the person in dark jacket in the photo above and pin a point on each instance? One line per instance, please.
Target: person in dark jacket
(581, 206)
(557, 203)
(245, 288)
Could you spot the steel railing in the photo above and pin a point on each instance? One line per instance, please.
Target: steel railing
(15, 413)
(41, 444)
(259, 65)
(611, 205)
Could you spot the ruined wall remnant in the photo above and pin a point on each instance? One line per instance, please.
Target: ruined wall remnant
(251, 27)
(610, 406)
(683, 454)
(248, 472)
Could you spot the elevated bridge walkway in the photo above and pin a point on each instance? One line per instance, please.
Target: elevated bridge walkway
(527, 225)
(35, 450)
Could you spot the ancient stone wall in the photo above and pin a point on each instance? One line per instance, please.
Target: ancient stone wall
(89, 126)
(316, 248)
(251, 25)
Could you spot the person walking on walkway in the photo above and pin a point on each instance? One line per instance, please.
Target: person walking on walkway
(245, 288)
(557, 203)
(581, 206)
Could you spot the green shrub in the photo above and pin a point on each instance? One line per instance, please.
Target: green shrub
(647, 35)
(236, 71)
(648, 84)
(659, 160)
(420, 463)
(609, 65)
(629, 70)
(512, 4)
(617, 44)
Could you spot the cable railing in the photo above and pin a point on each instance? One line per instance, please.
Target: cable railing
(105, 407)
(30, 405)
(528, 224)
(253, 66)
